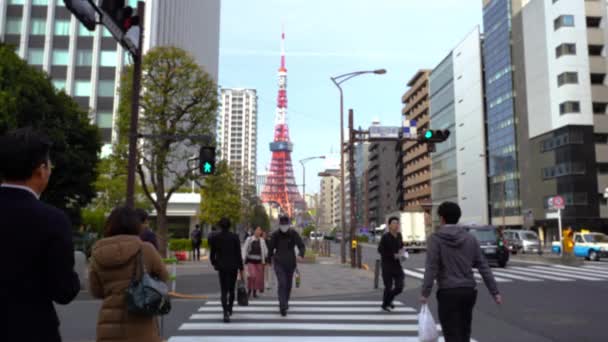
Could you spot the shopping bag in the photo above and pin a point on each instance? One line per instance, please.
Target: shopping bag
(427, 329)
(241, 293)
(298, 278)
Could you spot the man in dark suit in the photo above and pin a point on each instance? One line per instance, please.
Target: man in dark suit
(37, 249)
(226, 258)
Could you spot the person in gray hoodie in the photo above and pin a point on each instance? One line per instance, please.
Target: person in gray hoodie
(452, 253)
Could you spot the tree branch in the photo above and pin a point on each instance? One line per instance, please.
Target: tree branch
(144, 185)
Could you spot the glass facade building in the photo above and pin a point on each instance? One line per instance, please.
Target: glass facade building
(503, 169)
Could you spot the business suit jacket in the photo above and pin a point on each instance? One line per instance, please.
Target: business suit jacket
(38, 267)
(225, 251)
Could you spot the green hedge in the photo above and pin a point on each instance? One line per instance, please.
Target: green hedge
(363, 238)
(184, 245)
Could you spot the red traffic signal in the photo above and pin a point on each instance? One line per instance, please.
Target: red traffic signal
(123, 16)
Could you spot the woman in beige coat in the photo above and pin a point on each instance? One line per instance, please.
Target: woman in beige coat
(112, 263)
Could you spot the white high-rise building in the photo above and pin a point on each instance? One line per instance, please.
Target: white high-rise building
(237, 134)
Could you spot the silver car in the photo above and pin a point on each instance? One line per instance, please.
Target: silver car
(530, 243)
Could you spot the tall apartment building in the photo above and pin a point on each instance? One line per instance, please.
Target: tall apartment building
(546, 99)
(237, 134)
(414, 162)
(457, 104)
(329, 200)
(361, 161)
(87, 65)
(382, 176)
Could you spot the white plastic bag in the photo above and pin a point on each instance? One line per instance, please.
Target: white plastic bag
(427, 329)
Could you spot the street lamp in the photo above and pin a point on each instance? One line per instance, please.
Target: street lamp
(338, 80)
(302, 162)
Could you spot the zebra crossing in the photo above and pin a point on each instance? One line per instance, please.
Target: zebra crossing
(536, 273)
(306, 321)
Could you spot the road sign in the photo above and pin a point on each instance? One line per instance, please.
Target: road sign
(409, 129)
(384, 132)
(556, 202)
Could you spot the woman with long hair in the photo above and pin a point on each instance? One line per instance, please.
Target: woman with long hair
(255, 254)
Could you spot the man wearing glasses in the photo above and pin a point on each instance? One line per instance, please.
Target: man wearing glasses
(38, 253)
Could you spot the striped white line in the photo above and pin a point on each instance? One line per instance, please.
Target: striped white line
(298, 338)
(498, 279)
(413, 273)
(518, 277)
(283, 326)
(552, 271)
(598, 268)
(312, 303)
(315, 317)
(524, 271)
(303, 309)
(584, 271)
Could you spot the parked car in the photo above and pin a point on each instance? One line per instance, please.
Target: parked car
(316, 236)
(514, 242)
(528, 240)
(492, 244)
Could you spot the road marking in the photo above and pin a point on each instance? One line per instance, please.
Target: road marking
(312, 303)
(498, 279)
(316, 317)
(477, 278)
(413, 274)
(238, 309)
(282, 326)
(524, 271)
(591, 272)
(549, 270)
(599, 268)
(518, 277)
(298, 338)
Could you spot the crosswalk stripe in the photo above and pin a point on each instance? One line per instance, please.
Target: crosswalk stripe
(308, 317)
(413, 274)
(599, 268)
(524, 271)
(498, 279)
(298, 338)
(549, 270)
(583, 271)
(514, 276)
(302, 309)
(282, 326)
(313, 302)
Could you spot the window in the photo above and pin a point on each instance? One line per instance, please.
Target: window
(84, 32)
(595, 50)
(563, 21)
(570, 107)
(82, 88)
(578, 239)
(602, 168)
(60, 3)
(565, 49)
(16, 2)
(108, 59)
(38, 27)
(62, 28)
(42, 2)
(13, 25)
(59, 84)
(600, 138)
(597, 78)
(84, 57)
(594, 22)
(567, 78)
(35, 56)
(104, 120)
(106, 33)
(106, 89)
(60, 57)
(599, 108)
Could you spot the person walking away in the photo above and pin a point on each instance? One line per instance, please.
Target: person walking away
(391, 250)
(225, 256)
(197, 238)
(255, 253)
(451, 255)
(282, 251)
(32, 281)
(147, 235)
(113, 263)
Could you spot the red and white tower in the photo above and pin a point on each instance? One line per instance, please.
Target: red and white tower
(280, 185)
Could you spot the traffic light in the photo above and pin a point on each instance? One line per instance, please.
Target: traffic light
(434, 135)
(123, 16)
(84, 11)
(207, 160)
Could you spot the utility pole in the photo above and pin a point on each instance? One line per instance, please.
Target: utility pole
(352, 181)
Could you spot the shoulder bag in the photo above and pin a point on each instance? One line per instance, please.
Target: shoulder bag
(147, 295)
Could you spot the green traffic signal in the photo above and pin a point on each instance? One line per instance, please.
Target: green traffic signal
(207, 168)
(428, 134)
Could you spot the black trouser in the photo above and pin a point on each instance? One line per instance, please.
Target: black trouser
(285, 280)
(228, 283)
(390, 278)
(455, 308)
(196, 250)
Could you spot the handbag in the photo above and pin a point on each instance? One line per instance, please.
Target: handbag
(241, 293)
(147, 295)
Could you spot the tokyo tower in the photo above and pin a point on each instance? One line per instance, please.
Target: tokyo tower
(280, 185)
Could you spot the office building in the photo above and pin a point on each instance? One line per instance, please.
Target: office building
(237, 134)
(414, 162)
(329, 200)
(382, 175)
(458, 170)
